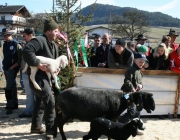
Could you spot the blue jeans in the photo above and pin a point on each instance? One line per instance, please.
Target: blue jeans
(1, 69)
(30, 95)
(21, 80)
(11, 87)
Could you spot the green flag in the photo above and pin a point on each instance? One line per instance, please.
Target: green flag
(84, 52)
(76, 53)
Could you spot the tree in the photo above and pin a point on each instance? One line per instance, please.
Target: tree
(130, 24)
(36, 22)
(69, 16)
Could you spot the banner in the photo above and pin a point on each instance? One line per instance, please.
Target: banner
(84, 52)
(62, 36)
(86, 41)
(76, 53)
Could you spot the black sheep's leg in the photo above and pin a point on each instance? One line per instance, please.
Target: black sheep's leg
(95, 137)
(55, 127)
(57, 109)
(91, 135)
(62, 132)
(61, 123)
(86, 137)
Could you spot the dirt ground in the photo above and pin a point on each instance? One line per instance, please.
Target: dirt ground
(14, 128)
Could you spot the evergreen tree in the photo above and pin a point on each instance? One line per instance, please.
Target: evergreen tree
(71, 20)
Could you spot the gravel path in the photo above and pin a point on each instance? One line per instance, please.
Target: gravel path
(14, 128)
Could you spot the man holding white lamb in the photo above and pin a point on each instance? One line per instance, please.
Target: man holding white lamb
(43, 46)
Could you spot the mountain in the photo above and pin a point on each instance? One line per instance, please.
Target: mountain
(103, 11)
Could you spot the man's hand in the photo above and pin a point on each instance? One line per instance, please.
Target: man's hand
(139, 87)
(146, 65)
(43, 67)
(11, 68)
(57, 71)
(133, 90)
(101, 65)
(157, 55)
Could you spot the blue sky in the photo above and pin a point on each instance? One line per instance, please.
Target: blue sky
(170, 7)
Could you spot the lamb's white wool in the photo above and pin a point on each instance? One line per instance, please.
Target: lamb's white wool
(53, 65)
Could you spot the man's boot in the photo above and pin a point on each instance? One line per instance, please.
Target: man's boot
(9, 95)
(15, 98)
(9, 99)
(39, 130)
(49, 135)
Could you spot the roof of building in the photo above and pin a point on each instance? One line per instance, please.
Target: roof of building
(97, 27)
(14, 9)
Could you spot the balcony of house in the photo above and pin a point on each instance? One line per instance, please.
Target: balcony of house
(13, 22)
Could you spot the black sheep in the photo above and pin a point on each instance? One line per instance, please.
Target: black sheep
(87, 104)
(115, 130)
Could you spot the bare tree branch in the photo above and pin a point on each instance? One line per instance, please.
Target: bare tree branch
(130, 24)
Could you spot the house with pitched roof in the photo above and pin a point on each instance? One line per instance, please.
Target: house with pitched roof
(98, 29)
(13, 17)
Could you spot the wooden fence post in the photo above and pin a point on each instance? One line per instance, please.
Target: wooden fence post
(176, 105)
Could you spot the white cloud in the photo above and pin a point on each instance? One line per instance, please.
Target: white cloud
(167, 6)
(170, 8)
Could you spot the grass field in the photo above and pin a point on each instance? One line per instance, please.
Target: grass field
(156, 34)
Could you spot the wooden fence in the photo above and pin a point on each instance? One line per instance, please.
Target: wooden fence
(165, 85)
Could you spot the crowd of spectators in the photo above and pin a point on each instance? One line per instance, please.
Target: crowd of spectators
(164, 56)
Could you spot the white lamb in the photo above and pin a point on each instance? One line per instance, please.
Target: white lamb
(53, 65)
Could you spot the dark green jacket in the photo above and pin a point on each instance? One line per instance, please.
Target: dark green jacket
(39, 46)
(133, 77)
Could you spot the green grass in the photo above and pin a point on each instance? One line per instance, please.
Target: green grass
(156, 33)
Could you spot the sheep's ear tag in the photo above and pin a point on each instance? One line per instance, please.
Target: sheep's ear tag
(126, 96)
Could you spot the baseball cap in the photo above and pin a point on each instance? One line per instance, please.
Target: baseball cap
(28, 31)
(140, 56)
(120, 42)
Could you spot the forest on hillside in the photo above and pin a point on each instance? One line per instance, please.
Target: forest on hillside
(103, 12)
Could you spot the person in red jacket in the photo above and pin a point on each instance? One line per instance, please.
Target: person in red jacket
(175, 60)
(173, 35)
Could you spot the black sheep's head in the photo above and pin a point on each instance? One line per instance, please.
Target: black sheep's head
(148, 101)
(138, 100)
(139, 123)
(144, 100)
(136, 124)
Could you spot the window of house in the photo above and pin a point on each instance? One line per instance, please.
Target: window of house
(2, 18)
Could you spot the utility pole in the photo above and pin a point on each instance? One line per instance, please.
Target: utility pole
(68, 24)
(53, 7)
